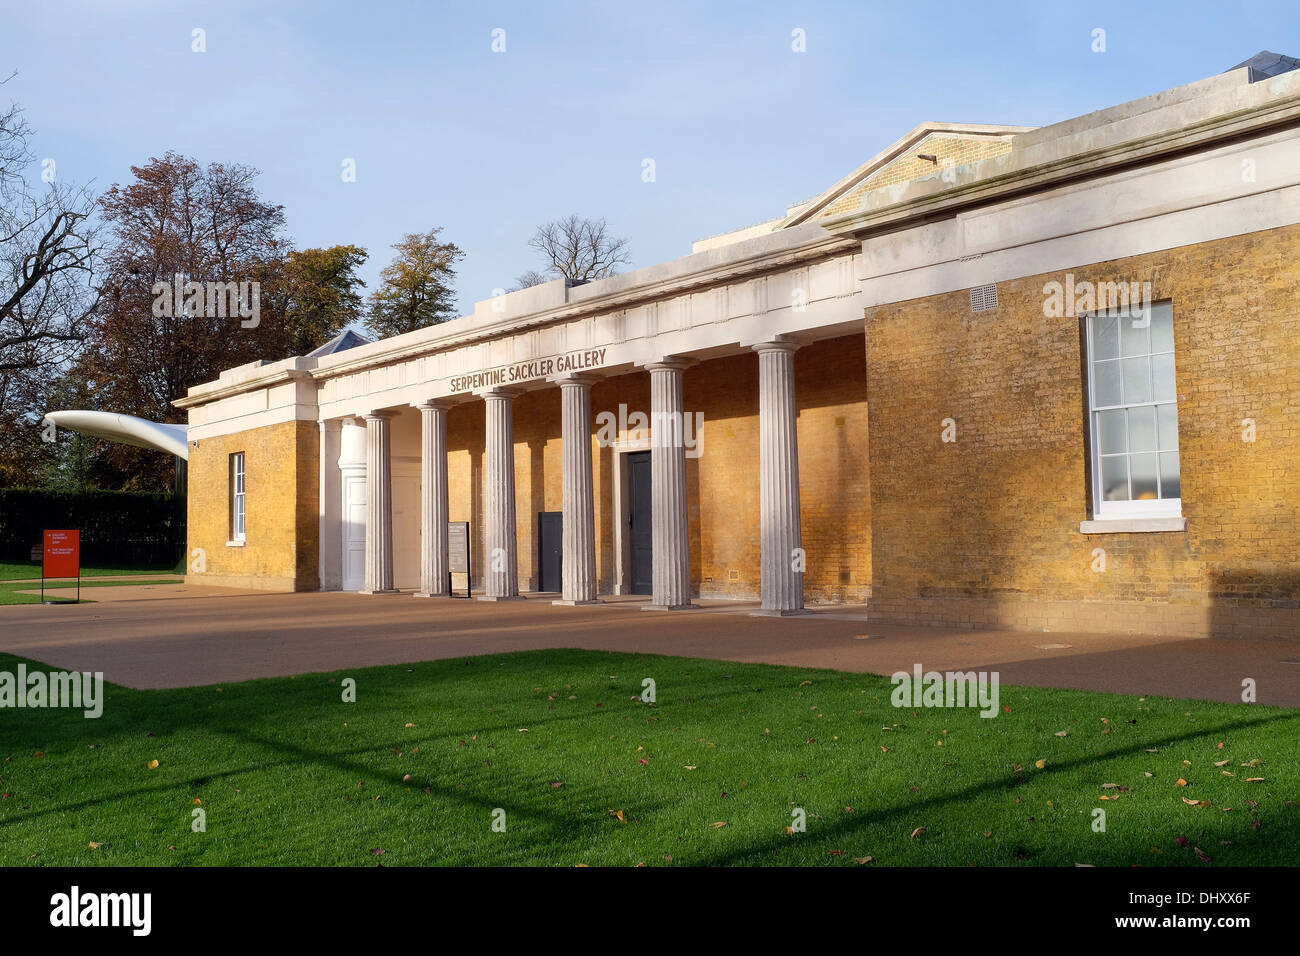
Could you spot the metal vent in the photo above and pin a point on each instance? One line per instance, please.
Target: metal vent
(983, 298)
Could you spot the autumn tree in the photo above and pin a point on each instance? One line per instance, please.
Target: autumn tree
(579, 249)
(186, 238)
(415, 289)
(321, 297)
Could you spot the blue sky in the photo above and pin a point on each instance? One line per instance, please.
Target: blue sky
(445, 132)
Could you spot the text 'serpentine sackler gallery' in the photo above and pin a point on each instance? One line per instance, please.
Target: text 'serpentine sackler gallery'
(996, 376)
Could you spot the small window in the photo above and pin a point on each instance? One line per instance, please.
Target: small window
(237, 496)
(1133, 413)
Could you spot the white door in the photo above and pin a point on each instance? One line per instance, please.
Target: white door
(354, 532)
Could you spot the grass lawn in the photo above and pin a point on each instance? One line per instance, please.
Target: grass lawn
(26, 570)
(9, 590)
(289, 774)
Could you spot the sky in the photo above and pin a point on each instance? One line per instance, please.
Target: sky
(488, 143)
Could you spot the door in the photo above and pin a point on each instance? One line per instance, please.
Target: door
(550, 551)
(639, 523)
(354, 532)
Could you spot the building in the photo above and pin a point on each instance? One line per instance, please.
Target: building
(995, 376)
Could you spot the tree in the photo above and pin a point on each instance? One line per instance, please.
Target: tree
(193, 247)
(580, 249)
(321, 298)
(527, 280)
(47, 257)
(415, 288)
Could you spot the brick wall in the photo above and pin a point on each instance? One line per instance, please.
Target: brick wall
(984, 531)
(282, 527)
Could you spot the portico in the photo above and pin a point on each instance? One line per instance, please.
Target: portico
(471, 461)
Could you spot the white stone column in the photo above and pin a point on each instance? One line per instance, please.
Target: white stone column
(434, 510)
(379, 504)
(671, 587)
(579, 539)
(778, 455)
(501, 563)
(330, 541)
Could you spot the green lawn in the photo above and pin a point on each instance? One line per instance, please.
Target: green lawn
(287, 773)
(9, 590)
(26, 570)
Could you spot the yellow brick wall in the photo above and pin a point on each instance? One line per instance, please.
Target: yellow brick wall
(985, 531)
(957, 151)
(281, 550)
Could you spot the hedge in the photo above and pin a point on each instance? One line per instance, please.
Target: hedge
(124, 528)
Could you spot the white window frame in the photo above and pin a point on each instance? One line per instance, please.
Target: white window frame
(1125, 511)
(238, 498)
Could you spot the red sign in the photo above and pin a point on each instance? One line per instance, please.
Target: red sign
(62, 555)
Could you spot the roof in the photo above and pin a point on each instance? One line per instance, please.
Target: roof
(1266, 63)
(340, 343)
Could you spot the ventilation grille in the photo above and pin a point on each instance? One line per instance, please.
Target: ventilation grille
(983, 298)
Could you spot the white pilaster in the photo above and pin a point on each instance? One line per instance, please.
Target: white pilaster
(434, 511)
(578, 574)
(329, 539)
(780, 535)
(501, 563)
(671, 588)
(379, 504)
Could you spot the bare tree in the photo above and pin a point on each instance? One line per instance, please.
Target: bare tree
(526, 280)
(580, 249)
(47, 254)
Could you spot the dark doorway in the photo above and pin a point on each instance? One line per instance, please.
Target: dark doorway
(550, 550)
(639, 523)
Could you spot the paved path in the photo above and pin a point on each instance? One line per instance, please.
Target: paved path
(182, 635)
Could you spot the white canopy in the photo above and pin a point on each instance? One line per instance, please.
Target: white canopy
(126, 429)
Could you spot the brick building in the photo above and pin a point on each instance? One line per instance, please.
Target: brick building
(995, 376)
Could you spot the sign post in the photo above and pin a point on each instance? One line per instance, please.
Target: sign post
(458, 555)
(61, 558)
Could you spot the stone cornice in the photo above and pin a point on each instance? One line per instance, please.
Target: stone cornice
(933, 199)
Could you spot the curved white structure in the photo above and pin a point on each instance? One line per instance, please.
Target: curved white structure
(126, 429)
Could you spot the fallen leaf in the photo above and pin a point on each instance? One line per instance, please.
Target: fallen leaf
(95, 846)
(1061, 733)
(862, 859)
(919, 831)
(1222, 763)
(1202, 855)
(721, 823)
(1182, 782)
(688, 767)
(1254, 779)
(377, 851)
(153, 764)
(835, 852)
(789, 829)
(197, 801)
(410, 725)
(556, 784)
(1040, 764)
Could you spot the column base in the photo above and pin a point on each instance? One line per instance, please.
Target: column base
(564, 603)
(501, 597)
(670, 607)
(388, 591)
(781, 612)
(426, 594)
